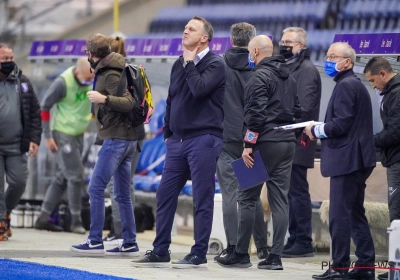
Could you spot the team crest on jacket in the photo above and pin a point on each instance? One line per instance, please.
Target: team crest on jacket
(24, 87)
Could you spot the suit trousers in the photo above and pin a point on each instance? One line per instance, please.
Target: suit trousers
(347, 219)
(277, 157)
(196, 158)
(229, 187)
(299, 208)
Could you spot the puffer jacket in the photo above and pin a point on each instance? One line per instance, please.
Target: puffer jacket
(30, 110)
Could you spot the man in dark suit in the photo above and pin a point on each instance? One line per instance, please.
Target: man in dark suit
(348, 157)
(293, 47)
(193, 135)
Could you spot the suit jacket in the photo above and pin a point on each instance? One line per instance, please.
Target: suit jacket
(348, 126)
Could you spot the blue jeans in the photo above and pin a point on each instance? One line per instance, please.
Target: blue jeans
(114, 159)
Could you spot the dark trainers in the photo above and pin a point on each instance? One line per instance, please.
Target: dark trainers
(262, 253)
(3, 230)
(125, 249)
(47, 226)
(298, 251)
(9, 231)
(273, 262)
(150, 259)
(229, 250)
(383, 276)
(190, 260)
(89, 247)
(235, 260)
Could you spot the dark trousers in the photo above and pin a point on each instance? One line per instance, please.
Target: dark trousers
(229, 186)
(277, 157)
(195, 157)
(299, 208)
(347, 219)
(393, 178)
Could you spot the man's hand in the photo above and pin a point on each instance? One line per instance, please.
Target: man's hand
(96, 97)
(51, 145)
(188, 54)
(307, 130)
(33, 149)
(247, 158)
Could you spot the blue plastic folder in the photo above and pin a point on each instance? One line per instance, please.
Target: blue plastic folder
(250, 177)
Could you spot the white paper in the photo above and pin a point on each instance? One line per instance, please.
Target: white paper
(297, 125)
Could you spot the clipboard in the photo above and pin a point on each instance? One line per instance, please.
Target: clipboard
(250, 177)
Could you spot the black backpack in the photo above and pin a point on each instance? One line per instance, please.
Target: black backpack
(134, 78)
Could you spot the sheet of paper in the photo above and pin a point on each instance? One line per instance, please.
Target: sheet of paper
(297, 125)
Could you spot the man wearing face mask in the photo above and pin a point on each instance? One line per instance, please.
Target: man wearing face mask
(115, 156)
(64, 138)
(293, 47)
(348, 158)
(270, 101)
(379, 73)
(193, 135)
(20, 130)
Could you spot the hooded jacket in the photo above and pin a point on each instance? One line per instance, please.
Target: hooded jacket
(238, 73)
(389, 138)
(112, 117)
(271, 101)
(29, 108)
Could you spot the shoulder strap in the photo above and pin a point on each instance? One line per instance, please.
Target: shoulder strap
(122, 83)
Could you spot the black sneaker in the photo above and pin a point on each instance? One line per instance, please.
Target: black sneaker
(298, 251)
(262, 253)
(273, 262)
(150, 259)
(235, 260)
(191, 260)
(229, 250)
(383, 276)
(47, 226)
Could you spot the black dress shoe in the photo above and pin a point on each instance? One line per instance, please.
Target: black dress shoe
(332, 274)
(361, 274)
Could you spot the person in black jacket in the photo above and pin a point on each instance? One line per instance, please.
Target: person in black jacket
(348, 158)
(193, 135)
(238, 72)
(293, 46)
(379, 73)
(20, 132)
(270, 101)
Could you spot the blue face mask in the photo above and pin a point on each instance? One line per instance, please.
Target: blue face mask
(331, 68)
(251, 63)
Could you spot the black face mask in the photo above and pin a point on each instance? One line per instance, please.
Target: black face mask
(7, 67)
(286, 51)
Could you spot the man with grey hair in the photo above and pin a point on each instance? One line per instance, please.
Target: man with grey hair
(293, 46)
(348, 157)
(238, 73)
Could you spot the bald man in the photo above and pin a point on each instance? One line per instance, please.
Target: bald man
(348, 158)
(64, 138)
(270, 101)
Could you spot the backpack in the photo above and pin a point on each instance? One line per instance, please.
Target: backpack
(134, 78)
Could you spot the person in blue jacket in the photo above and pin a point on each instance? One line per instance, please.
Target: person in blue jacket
(348, 158)
(193, 135)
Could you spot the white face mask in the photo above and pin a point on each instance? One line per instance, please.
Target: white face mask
(378, 95)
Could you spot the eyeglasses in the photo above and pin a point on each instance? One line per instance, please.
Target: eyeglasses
(287, 42)
(333, 57)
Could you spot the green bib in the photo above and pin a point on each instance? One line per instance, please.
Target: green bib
(72, 115)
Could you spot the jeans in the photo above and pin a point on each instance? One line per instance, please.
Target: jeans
(114, 159)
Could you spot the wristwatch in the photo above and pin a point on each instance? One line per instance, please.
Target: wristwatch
(187, 62)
